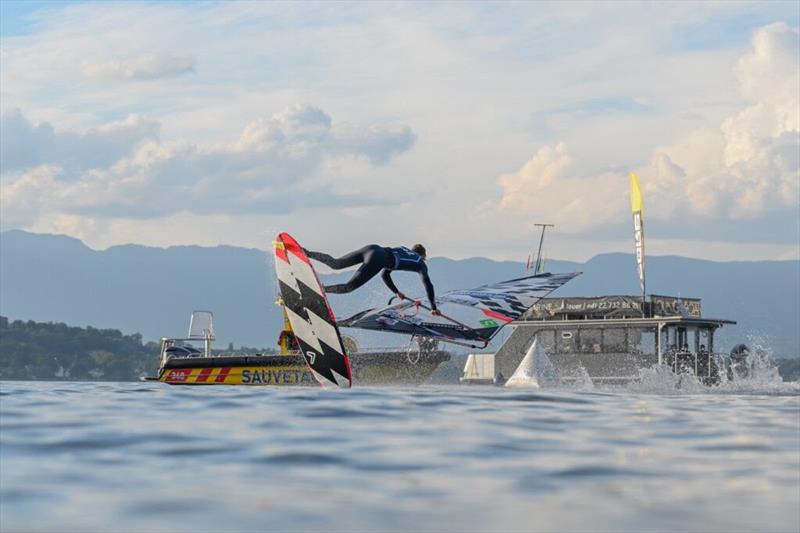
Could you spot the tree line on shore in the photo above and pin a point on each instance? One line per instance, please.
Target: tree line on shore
(37, 350)
(55, 351)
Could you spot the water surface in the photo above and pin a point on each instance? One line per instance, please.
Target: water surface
(151, 457)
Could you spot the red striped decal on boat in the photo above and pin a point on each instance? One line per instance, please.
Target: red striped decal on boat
(203, 376)
(222, 375)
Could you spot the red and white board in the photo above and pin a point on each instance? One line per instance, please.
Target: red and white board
(310, 315)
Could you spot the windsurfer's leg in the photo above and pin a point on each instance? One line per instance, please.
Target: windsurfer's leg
(375, 260)
(347, 260)
(366, 272)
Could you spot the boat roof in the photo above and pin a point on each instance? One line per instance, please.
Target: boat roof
(640, 322)
(613, 306)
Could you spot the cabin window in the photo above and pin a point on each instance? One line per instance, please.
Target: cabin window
(565, 342)
(547, 338)
(641, 341)
(590, 341)
(615, 340)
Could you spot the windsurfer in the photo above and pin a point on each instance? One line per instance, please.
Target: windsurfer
(374, 259)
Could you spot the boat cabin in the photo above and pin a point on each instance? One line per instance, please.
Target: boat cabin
(613, 337)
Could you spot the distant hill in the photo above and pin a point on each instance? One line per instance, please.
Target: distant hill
(152, 291)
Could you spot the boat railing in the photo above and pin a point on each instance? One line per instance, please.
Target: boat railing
(184, 347)
(701, 363)
(201, 330)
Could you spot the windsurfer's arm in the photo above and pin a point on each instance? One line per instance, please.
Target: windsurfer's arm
(387, 279)
(426, 281)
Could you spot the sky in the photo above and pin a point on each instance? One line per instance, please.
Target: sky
(457, 125)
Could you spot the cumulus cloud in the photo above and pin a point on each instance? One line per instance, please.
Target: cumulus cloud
(273, 166)
(295, 124)
(749, 167)
(379, 144)
(543, 187)
(144, 67)
(24, 144)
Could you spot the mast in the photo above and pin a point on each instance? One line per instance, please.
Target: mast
(539, 265)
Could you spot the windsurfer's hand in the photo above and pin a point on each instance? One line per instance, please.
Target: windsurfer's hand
(436, 312)
(401, 296)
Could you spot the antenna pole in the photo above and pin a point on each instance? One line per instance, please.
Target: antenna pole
(539, 264)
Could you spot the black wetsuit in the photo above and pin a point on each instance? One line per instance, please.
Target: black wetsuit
(373, 259)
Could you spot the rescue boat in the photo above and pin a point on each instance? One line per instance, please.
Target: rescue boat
(192, 360)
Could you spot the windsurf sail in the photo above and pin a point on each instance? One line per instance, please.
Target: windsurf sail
(638, 229)
(471, 317)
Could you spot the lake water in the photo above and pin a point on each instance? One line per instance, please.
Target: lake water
(151, 457)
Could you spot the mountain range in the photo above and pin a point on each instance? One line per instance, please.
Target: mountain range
(152, 290)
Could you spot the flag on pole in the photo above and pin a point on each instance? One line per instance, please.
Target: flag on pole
(638, 228)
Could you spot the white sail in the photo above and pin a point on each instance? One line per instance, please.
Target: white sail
(535, 370)
(479, 367)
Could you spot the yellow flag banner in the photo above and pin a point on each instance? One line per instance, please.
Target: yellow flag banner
(638, 228)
